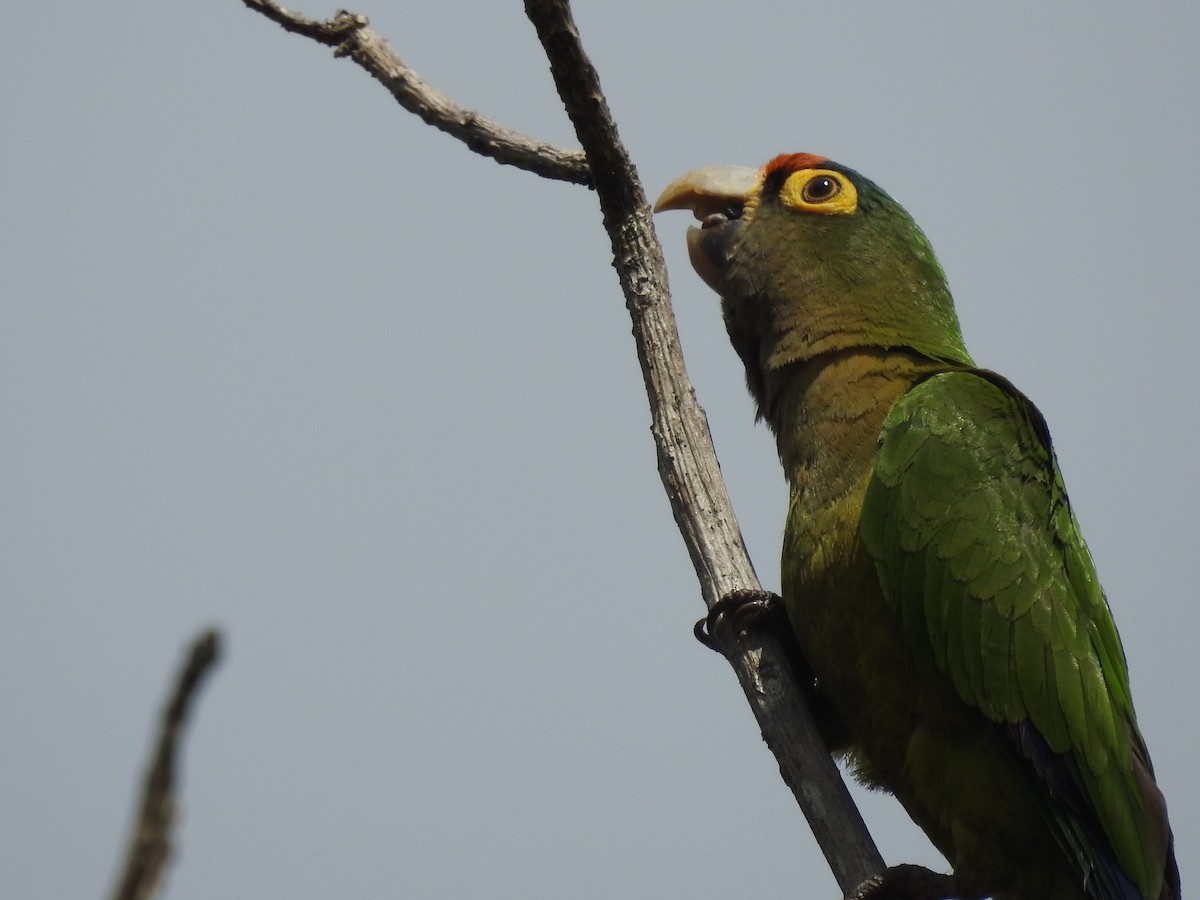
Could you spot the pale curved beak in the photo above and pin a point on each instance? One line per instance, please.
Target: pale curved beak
(713, 189)
(717, 196)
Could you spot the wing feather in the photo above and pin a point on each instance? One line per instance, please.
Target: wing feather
(977, 549)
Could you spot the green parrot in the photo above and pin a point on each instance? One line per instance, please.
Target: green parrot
(955, 639)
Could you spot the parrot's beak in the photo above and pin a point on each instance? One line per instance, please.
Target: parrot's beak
(717, 196)
(710, 190)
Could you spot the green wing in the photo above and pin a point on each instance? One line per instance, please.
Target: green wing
(976, 547)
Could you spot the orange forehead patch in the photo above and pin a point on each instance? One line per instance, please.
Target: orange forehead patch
(787, 163)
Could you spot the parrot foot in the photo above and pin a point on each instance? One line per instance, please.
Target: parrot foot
(747, 608)
(909, 882)
(741, 609)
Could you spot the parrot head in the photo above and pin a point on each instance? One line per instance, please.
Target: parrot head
(809, 257)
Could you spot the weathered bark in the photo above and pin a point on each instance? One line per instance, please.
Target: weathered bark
(687, 461)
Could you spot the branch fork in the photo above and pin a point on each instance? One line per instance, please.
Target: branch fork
(687, 461)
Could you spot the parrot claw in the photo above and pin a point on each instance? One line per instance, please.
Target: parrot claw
(909, 882)
(739, 609)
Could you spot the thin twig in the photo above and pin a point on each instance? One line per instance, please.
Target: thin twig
(351, 35)
(150, 845)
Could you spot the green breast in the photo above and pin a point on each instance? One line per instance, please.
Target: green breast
(830, 585)
(911, 733)
(831, 588)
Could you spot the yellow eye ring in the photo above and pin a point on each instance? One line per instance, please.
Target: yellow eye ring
(820, 191)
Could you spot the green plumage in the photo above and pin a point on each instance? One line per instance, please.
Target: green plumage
(976, 548)
(933, 572)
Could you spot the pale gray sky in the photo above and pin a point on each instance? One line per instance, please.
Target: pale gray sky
(278, 357)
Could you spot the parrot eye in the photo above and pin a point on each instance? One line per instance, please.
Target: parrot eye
(820, 189)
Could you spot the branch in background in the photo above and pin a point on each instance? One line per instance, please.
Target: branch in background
(687, 461)
(350, 34)
(150, 845)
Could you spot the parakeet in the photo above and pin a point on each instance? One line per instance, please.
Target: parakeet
(957, 641)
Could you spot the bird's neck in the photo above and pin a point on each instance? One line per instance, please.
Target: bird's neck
(827, 412)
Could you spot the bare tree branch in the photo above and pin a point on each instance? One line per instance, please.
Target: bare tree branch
(687, 461)
(350, 34)
(150, 844)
